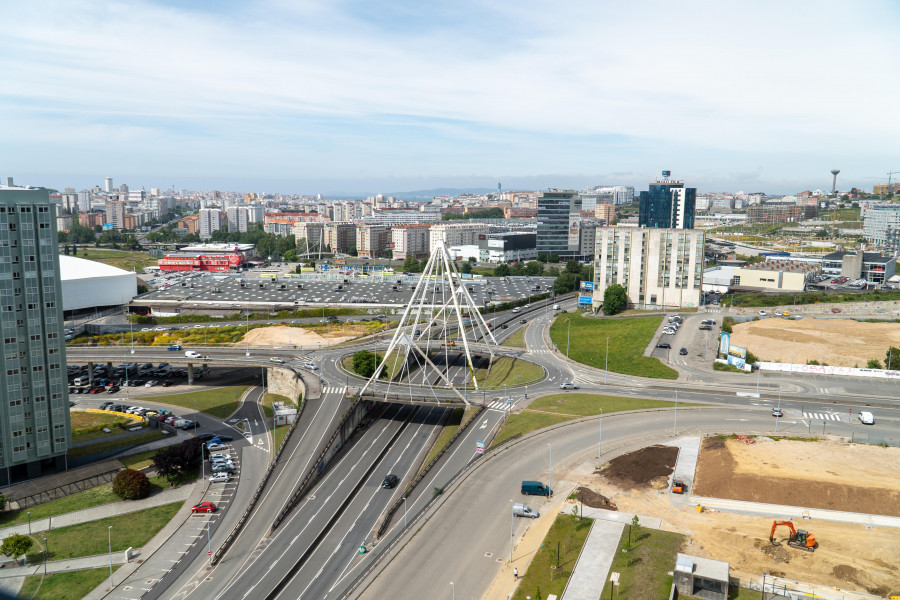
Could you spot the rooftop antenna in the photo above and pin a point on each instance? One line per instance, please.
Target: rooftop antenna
(834, 182)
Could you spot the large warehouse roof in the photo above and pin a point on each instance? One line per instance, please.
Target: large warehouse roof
(89, 284)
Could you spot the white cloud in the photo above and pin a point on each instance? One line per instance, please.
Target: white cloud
(775, 78)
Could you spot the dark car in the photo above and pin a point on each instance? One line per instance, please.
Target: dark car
(664, 346)
(390, 481)
(113, 389)
(203, 437)
(683, 351)
(524, 321)
(224, 438)
(504, 326)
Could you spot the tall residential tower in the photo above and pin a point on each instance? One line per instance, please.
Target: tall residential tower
(35, 431)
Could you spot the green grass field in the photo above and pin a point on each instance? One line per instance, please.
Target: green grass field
(88, 539)
(219, 402)
(548, 572)
(84, 425)
(123, 259)
(73, 585)
(510, 371)
(516, 340)
(269, 398)
(138, 461)
(280, 432)
(628, 338)
(558, 408)
(450, 428)
(78, 501)
(105, 445)
(644, 569)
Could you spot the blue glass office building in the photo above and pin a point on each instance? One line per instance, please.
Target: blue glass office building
(667, 205)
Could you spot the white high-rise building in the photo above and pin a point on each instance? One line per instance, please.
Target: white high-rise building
(238, 219)
(456, 234)
(108, 185)
(209, 220)
(881, 226)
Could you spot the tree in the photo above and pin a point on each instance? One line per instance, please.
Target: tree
(614, 299)
(565, 283)
(554, 258)
(517, 269)
(465, 267)
(131, 485)
(534, 268)
(635, 528)
(168, 462)
(410, 265)
(821, 234)
(16, 545)
(472, 260)
(2, 502)
(364, 363)
(873, 363)
(573, 266)
(892, 359)
(501, 270)
(352, 251)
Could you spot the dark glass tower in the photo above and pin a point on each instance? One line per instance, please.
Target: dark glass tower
(667, 205)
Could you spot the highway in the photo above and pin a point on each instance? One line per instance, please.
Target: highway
(315, 551)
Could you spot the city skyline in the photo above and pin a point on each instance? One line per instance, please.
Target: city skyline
(362, 98)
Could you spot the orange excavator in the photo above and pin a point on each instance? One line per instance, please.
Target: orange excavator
(799, 538)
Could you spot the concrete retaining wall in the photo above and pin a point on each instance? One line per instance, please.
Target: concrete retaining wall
(285, 382)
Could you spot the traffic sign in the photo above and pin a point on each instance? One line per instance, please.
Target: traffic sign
(479, 447)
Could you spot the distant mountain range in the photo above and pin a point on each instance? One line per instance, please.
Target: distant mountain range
(425, 195)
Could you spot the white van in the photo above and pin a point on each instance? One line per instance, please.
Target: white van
(866, 418)
(556, 307)
(523, 510)
(192, 354)
(516, 309)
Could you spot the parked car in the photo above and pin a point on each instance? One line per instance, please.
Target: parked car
(204, 507)
(390, 481)
(113, 389)
(664, 346)
(762, 313)
(203, 437)
(220, 477)
(212, 446)
(223, 438)
(223, 468)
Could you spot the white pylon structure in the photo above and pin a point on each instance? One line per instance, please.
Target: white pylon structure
(441, 318)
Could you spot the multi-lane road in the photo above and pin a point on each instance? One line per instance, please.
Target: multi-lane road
(315, 552)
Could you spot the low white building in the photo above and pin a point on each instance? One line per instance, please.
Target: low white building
(87, 284)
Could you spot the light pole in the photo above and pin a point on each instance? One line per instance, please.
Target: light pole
(606, 374)
(568, 334)
(452, 591)
(758, 373)
(208, 542)
(246, 334)
(29, 522)
(404, 511)
(763, 588)
(132, 337)
(109, 534)
(550, 471)
(793, 347)
(675, 427)
(778, 414)
(600, 444)
(512, 520)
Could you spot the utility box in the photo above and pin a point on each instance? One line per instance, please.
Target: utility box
(701, 577)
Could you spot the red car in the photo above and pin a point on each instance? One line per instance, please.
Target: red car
(835, 310)
(204, 507)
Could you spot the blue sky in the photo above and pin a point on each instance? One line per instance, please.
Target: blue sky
(362, 97)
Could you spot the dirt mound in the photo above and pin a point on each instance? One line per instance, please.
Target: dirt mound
(853, 575)
(779, 554)
(720, 475)
(638, 469)
(589, 497)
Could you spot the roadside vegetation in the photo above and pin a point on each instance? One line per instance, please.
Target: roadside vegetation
(804, 298)
(451, 425)
(516, 340)
(644, 560)
(555, 560)
(508, 371)
(585, 338)
(558, 408)
(89, 426)
(126, 441)
(73, 585)
(218, 402)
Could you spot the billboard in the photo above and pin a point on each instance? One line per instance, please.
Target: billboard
(724, 342)
(108, 226)
(574, 229)
(587, 285)
(584, 299)
(737, 351)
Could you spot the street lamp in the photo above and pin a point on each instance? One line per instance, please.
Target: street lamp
(29, 522)
(550, 471)
(600, 445)
(763, 588)
(675, 427)
(453, 590)
(132, 337)
(246, 334)
(568, 334)
(109, 538)
(512, 520)
(404, 511)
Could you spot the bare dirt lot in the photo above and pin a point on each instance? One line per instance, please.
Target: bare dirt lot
(295, 336)
(836, 342)
(849, 556)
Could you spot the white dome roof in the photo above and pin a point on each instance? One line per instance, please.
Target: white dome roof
(72, 267)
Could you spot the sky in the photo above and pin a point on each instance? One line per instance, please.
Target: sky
(358, 97)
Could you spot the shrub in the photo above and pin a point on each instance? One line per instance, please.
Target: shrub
(2, 502)
(131, 485)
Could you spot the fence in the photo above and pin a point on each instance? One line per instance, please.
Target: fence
(874, 439)
(226, 544)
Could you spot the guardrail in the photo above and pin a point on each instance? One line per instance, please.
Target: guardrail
(415, 482)
(226, 544)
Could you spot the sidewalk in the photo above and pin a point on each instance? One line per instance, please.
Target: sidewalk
(795, 512)
(100, 512)
(60, 566)
(592, 568)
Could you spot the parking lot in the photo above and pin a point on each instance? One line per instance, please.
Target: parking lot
(239, 289)
(696, 337)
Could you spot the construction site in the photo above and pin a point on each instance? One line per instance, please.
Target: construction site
(864, 480)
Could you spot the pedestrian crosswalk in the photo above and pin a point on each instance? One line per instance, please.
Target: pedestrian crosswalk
(542, 351)
(500, 405)
(333, 389)
(822, 416)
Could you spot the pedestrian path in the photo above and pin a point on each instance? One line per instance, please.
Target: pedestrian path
(795, 512)
(333, 389)
(501, 405)
(822, 416)
(541, 351)
(592, 569)
(61, 566)
(99, 512)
